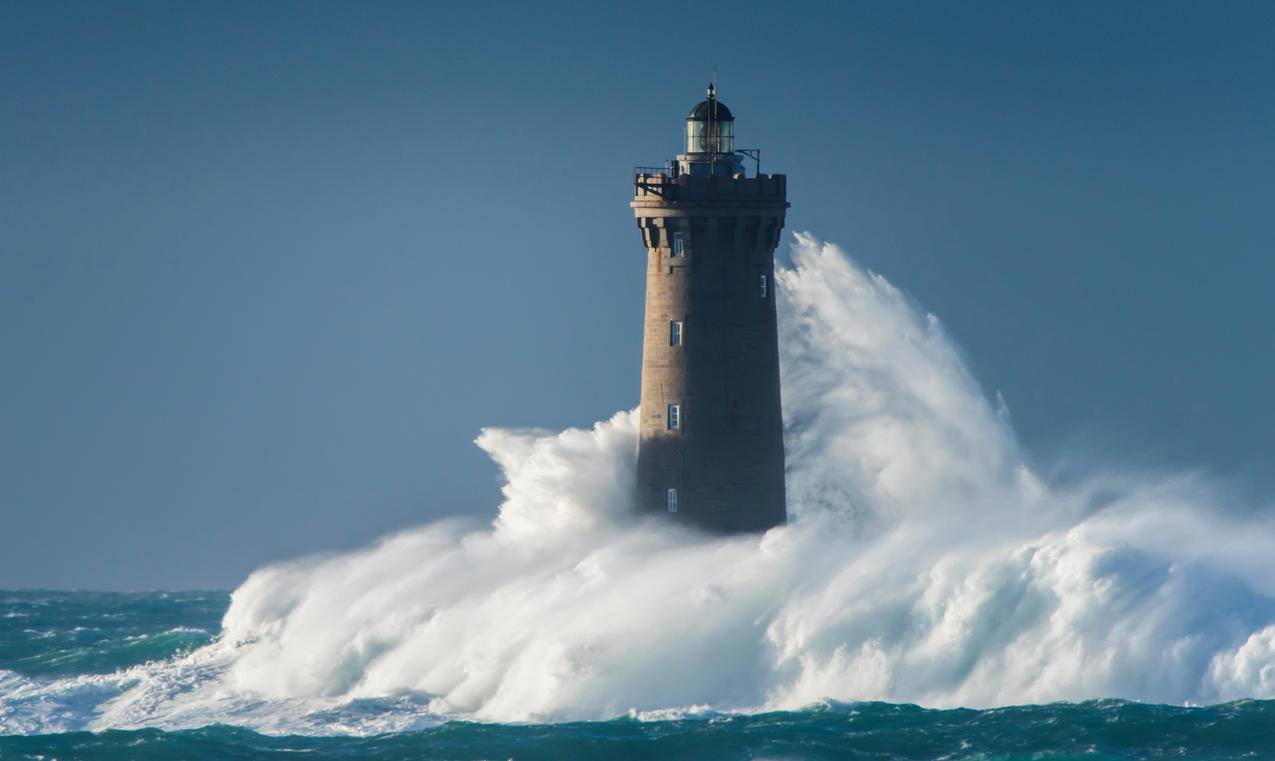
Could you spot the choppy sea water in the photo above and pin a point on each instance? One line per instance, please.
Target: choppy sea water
(1116, 613)
(61, 637)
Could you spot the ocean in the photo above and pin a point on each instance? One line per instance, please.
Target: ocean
(69, 638)
(928, 569)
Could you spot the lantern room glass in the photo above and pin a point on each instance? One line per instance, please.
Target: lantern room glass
(699, 139)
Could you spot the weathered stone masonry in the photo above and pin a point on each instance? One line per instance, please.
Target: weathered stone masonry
(720, 450)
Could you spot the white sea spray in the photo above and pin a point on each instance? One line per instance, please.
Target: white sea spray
(926, 563)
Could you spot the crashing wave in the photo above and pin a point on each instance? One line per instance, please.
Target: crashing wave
(926, 563)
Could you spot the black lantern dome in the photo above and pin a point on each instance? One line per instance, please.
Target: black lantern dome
(710, 128)
(705, 107)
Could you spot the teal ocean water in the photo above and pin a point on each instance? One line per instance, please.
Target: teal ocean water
(60, 643)
(1090, 731)
(927, 562)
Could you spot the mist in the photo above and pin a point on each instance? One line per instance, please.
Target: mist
(925, 561)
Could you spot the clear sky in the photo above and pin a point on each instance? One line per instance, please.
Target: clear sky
(267, 268)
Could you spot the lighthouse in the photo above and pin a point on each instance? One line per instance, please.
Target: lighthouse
(711, 446)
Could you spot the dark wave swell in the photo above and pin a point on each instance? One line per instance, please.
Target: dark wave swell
(1093, 730)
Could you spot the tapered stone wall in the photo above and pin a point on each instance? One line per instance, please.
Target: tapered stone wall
(725, 457)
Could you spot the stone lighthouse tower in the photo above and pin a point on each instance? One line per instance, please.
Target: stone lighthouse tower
(711, 450)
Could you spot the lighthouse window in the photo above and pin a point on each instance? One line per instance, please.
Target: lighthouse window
(675, 333)
(763, 286)
(679, 244)
(674, 417)
(672, 500)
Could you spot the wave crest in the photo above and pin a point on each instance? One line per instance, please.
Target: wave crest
(926, 563)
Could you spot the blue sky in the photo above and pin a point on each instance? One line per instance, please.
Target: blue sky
(266, 269)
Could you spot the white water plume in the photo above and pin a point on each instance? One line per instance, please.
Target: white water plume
(925, 563)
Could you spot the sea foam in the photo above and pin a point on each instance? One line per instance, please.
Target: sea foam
(926, 562)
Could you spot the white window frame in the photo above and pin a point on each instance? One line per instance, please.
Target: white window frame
(676, 333)
(679, 244)
(765, 286)
(672, 500)
(674, 418)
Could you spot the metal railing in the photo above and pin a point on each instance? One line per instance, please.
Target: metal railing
(662, 171)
